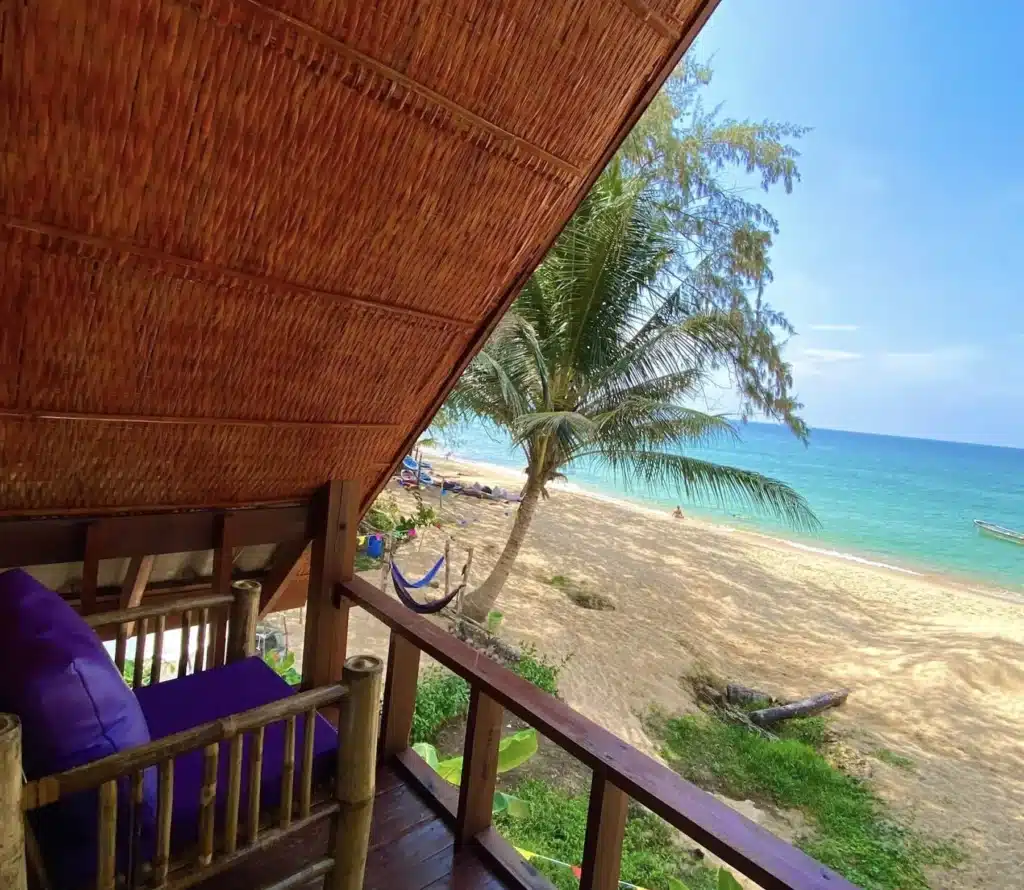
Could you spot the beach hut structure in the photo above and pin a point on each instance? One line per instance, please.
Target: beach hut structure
(246, 248)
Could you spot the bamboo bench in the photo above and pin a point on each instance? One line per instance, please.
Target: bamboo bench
(226, 634)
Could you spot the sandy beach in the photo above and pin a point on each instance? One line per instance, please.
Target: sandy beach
(937, 666)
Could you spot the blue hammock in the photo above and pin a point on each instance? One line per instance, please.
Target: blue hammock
(424, 581)
(402, 589)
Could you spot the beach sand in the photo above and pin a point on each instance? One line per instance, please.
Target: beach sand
(936, 666)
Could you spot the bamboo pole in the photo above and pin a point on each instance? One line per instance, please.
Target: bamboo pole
(447, 565)
(234, 795)
(201, 662)
(207, 804)
(356, 772)
(106, 847)
(165, 803)
(13, 871)
(121, 647)
(242, 627)
(135, 831)
(306, 781)
(186, 632)
(288, 772)
(140, 653)
(158, 650)
(255, 779)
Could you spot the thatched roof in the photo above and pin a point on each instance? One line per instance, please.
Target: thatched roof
(246, 246)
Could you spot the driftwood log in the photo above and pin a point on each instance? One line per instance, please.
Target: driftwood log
(737, 694)
(805, 707)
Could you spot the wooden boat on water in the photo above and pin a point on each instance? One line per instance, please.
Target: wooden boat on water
(998, 531)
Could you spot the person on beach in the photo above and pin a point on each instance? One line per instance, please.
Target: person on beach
(678, 512)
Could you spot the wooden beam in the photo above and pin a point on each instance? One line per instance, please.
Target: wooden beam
(606, 827)
(134, 586)
(479, 766)
(44, 541)
(399, 695)
(326, 633)
(281, 573)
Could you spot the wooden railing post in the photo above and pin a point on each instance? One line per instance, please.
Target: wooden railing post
(332, 559)
(399, 695)
(479, 766)
(13, 869)
(606, 827)
(356, 772)
(242, 628)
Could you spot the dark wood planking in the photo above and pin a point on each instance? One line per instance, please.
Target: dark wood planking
(43, 541)
(402, 817)
(751, 849)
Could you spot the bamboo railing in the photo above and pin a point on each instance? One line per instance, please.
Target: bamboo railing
(349, 806)
(226, 632)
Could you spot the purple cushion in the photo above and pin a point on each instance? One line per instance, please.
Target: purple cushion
(179, 704)
(74, 708)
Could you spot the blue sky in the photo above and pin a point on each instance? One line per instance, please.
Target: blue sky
(900, 252)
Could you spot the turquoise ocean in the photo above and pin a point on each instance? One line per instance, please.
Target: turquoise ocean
(906, 503)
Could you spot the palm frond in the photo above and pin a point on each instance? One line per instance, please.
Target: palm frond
(707, 481)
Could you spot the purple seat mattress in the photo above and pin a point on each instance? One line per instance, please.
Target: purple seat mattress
(176, 705)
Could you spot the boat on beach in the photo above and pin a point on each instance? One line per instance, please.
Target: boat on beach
(998, 531)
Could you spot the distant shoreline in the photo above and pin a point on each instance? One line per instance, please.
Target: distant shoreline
(483, 471)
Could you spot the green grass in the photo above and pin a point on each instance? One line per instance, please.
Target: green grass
(539, 670)
(900, 761)
(812, 731)
(557, 825)
(440, 697)
(365, 563)
(443, 696)
(852, 831)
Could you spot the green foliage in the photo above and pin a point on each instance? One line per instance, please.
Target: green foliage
(440, 697)
(604, 348)
(559, 581)
(513, 751)
(283, 664)
(853, 833)
(129, 672)
(900, 761)
(539, 669)
(557, 824)
(366, 563)
(385, 515)
(812, 731)
(562, 876)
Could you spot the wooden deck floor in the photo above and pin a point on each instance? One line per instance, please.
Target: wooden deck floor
(411, 848)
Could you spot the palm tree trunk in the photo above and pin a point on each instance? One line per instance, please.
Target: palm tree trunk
(481, 600)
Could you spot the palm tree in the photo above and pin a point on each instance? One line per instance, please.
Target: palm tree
(597, 360)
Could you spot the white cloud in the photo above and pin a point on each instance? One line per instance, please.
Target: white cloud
(834, 327)
(941, 364)
(832, 355)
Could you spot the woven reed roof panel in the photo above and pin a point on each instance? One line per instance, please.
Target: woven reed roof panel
(471, 52)
(245, 245)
